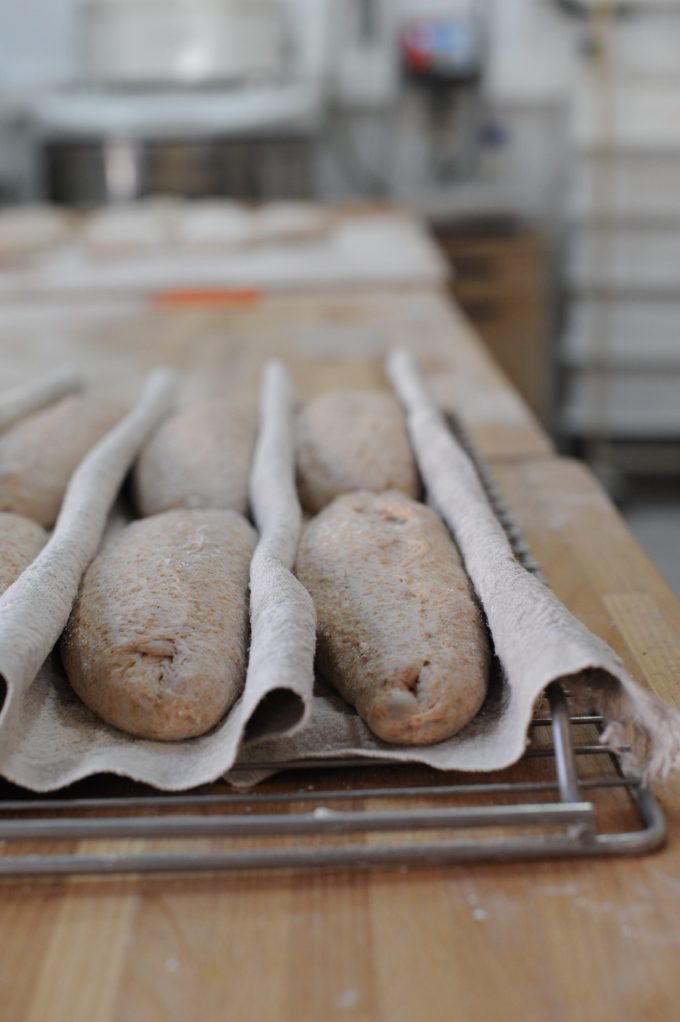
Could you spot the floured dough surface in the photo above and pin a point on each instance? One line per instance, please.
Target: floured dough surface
(156, 643)
(28, 230)
(289, 221)
(39, 453)
(352, 440)
(399, 631)
(137, 228)
(214, 224)
(199, 458)
(21, 540)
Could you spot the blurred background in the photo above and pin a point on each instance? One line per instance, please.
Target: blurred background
(538, 140)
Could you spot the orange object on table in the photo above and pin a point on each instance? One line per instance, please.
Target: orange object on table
(205, 296)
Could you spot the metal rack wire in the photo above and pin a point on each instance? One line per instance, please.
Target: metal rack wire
(568, 797)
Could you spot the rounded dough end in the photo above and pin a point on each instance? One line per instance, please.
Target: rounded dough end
(422, 707)
(156, 642)
(198, 458)
(351, 440)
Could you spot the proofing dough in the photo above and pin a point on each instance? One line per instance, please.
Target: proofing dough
(199, 458)
(399, 632)
(353, 440)
(21, 540)
(156, 642)
(40, 452)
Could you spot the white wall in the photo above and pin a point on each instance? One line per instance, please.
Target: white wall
(533, 49)
(530, 48)
(37, 41)
(530, 43)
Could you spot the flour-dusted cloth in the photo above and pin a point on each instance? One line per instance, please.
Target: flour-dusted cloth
(48, 738)
(282, 615)
(31, 397)
(35, 609)
(536, 639)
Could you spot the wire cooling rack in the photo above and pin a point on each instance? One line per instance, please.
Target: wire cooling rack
(568, 797)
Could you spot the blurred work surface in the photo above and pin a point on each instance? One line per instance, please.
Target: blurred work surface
(164, 244)
(332, 307)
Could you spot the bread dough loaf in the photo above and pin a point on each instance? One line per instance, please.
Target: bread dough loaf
(145, 227)
(26, 231)
(156, 642)
(214, 224)
(287, 222)
(399, 632)
(199, 458)
(39, 453)
(21, 540)
(353, 440)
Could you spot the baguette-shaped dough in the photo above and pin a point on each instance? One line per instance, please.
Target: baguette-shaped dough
(199, 458)
(156, 642)
(39, 454)
(399, 632)
(353, 440)
(21, 540)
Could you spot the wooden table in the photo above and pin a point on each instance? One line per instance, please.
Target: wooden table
(328, 339)
(575, 940)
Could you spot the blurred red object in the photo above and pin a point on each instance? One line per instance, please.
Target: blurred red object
(206, 296)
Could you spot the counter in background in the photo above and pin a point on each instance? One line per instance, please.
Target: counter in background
(328, 338)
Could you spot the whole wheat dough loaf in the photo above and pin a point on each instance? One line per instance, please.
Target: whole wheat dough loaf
(399, 632)
(199, 458)
(40, 452)
(156, 642)
(352, 440)
(21, 540)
